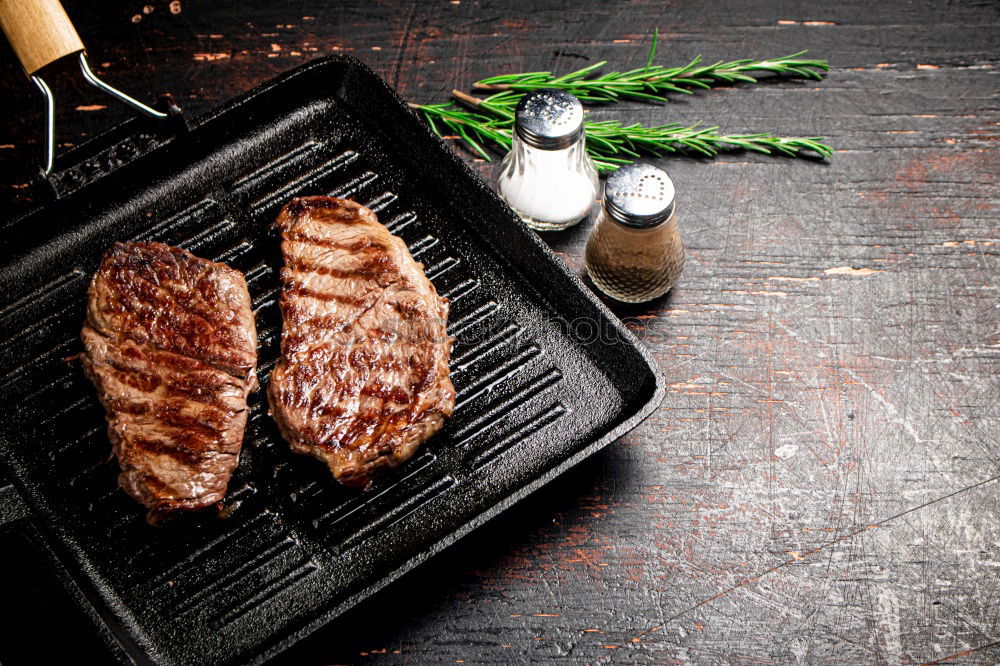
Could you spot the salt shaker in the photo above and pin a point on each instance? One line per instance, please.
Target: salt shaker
(635, 252)
(547, 177)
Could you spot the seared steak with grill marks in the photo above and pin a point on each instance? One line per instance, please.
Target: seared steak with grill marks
(171, 347)
(363, 376)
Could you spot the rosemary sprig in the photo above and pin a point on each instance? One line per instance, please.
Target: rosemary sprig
(609, 142)
(474, 129)
(653, 83)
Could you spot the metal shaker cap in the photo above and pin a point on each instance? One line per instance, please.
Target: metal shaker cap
(549, 119)
(639, 195)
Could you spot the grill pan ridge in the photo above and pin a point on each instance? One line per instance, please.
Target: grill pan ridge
(295, 549)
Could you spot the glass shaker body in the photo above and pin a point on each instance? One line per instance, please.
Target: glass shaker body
(634, 265)
(635, 252)
(549, 189)
(547, 177)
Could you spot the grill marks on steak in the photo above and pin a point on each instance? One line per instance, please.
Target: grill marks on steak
(171, 347)
(362, 379)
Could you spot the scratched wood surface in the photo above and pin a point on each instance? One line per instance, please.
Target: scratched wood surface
(821, 482)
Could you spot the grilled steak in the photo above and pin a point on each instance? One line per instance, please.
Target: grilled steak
(363, 376)
(171, 347)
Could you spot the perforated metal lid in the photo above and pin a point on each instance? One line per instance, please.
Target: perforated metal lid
(549, 119)
(639, 195)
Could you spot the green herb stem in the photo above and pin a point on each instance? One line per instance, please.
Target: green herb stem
(653, 83)
(610, 143)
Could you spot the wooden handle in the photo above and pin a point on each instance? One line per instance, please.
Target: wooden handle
(39, 31)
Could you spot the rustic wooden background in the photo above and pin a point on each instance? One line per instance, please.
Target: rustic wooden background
(821, 483)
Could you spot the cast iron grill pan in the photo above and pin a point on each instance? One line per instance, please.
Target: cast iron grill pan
(544, 374)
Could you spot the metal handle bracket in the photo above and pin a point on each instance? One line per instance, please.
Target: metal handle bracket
(92, 79)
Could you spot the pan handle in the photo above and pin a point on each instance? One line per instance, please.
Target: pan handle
(39, 30)
(12, 508)
(41, 33)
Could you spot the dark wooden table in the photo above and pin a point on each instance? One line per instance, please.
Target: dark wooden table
(821, 482)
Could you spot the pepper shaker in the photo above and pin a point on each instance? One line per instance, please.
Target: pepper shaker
(547, 177)
(635, 252)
